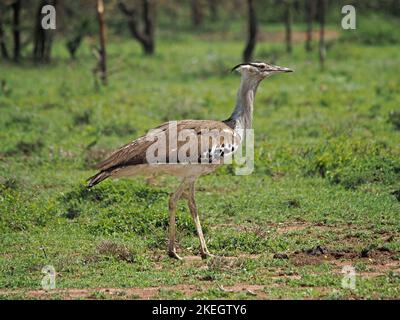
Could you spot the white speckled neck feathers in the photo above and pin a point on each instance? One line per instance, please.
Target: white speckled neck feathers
(242, 116)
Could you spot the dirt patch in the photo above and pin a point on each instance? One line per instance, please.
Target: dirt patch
(381, 258)
(297, 36)
(319, 255)
(271, 36)
(136, 293)
(140, 293)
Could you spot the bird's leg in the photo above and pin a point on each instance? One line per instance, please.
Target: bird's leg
(172, 225)
(193, 211)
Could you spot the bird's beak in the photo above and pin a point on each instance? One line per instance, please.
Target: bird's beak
(287, 70)
(280, 69)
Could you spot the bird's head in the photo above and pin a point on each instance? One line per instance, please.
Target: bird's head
(259, 70)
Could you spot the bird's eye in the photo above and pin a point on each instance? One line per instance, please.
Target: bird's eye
(262, 67)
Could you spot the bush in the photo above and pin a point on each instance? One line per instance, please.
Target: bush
(352, 163)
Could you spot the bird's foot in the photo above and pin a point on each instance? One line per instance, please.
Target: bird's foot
(173, 254)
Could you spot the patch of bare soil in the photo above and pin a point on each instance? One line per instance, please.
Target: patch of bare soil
(318, 255)
(140, 293)
(137, 293)
(380, 260)
(297, 36)
(271, 36)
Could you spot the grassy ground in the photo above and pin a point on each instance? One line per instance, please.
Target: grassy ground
(325, 192)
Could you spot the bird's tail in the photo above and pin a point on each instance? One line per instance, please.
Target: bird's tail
(97, 178)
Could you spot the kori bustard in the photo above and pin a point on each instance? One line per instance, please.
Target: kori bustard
(188, 149)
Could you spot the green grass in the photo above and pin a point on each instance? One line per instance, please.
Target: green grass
(327, 173)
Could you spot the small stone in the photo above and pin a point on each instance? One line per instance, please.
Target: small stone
(365, 253)
(316, 251)
(281, 256)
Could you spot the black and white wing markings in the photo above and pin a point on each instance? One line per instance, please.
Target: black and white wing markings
(218, 152)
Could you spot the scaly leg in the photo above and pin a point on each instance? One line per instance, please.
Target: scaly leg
(172, 225)
(193, 211)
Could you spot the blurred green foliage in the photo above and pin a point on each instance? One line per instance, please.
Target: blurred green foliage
(375, 29)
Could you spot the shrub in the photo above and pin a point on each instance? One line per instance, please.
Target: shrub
(352, 163)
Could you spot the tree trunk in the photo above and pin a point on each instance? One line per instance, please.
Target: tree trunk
(145, 36)
(213, 7)
(149, 17)
(39, 36)
(16, 7)
(197, 13)
(73, 45)
(310, 10)
(288, 25)
(43, 39)
(102, 36)
(322, 48)
(252, 29)
(3, 46)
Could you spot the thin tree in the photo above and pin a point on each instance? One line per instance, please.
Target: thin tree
(252, 32)
(213, 8)
(16, 27)
(78, 26)
(310, 14)
(197, 12)
(322, 47)
(144, 35)
(42, 39)
(39, 37)
(3, 46)
(288, 25)
(102, 53)
(73, 43)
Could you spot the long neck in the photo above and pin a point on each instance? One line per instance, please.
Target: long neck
(243, 113)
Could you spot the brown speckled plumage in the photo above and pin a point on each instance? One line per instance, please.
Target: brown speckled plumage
(215, 141)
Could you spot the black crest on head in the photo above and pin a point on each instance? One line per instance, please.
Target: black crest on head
(245, 64)
(239, 65)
